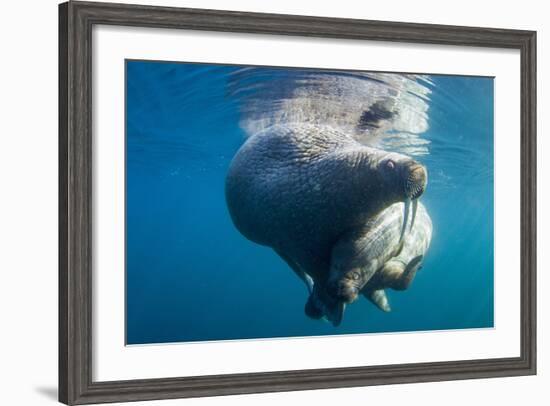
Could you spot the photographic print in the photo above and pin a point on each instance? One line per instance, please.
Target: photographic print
(276, 202)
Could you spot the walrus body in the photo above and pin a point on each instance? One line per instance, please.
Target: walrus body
(377, 254)
(299, 189)
(374, 257)
(398, 272)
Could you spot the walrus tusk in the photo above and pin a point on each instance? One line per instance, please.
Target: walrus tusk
(405, 218)
(415, 206)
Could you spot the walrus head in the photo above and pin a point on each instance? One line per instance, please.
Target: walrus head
(347, 287)
(405, 180)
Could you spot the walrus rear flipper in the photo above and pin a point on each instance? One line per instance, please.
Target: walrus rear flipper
(378, 298)
(409, 273)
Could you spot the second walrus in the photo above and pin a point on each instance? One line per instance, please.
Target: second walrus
(366, 261)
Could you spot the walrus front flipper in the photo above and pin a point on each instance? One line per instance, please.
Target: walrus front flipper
(335, 312)
(308, 280)
(313, 309)
(379, 299)
(409, 273)
(298, 271)
(321, 306)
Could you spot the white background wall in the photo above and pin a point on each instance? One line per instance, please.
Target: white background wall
(28, 200)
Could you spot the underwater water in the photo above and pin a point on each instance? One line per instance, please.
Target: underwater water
(190, 274)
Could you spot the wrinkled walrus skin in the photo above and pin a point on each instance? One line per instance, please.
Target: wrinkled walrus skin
(399, 272)
(370, 260)
(299, 188)
(374, 257)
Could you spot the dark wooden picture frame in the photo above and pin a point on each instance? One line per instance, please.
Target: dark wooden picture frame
(76, 20)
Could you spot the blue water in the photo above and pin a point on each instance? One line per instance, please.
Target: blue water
(192, 277)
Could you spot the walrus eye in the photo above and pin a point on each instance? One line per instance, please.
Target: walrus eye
(354, 276)
(390, 164)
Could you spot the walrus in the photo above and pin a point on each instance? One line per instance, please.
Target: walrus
(370, 258)
(298, 188)
(399, 272)
(377, 257)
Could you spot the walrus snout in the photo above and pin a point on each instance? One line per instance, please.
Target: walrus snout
(343, 290)
(416, 180)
